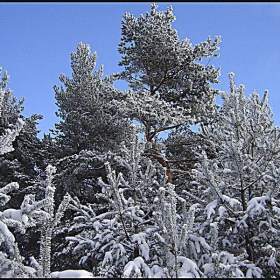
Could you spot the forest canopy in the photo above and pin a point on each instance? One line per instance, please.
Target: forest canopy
(104, 194)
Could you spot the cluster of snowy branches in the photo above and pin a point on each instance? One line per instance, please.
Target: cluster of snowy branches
(30, 214)
(105, 196)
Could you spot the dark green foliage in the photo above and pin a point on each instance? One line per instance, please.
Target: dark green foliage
(25, 162)
(88, 119)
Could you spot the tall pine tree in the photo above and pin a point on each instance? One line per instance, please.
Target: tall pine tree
(90, 125)
(88, 120)
(170, 88)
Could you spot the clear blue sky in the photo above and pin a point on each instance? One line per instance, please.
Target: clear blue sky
(37, 40)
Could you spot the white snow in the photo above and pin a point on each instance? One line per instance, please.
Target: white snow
(24, 218)
(221, 211)
(210, 208)
(208, 268)
(71, 273)
(189, 268)
(107, 258)
(199, 241)
(226, 171)
(232, 201)
(140, 238)
(135, 266)
(97, 225)
(6, 231)
(255, 205)
(15, 214)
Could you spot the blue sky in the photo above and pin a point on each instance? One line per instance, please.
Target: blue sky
(38, 38)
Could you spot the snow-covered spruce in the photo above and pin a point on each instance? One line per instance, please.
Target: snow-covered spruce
(240, 187)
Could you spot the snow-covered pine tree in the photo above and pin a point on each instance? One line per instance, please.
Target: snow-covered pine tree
(90, 125)
(170, 89)
(10, 258)
(24, 159)
(156, 60)
(27, 216)
(15, 222)
(30, 214)
(88, 121)
(239, 189)
(143, 230)
(12, 221)
(90, 130)
(9, 115)
(161, 99)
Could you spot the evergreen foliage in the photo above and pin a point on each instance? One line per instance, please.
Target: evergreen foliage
(29, 215)
(157, 61)
(106, 195)
(131, 236)
(240, 186)
(170, 88)
(90, 125)
(23, 159)
(88, 120)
